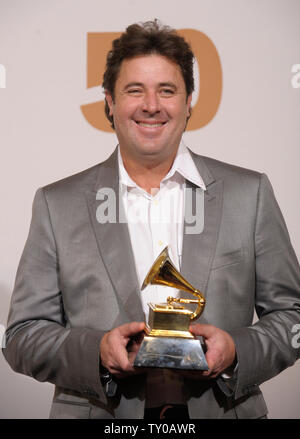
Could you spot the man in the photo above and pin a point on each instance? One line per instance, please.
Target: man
(77, 309)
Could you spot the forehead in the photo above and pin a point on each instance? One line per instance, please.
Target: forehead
(149, 69)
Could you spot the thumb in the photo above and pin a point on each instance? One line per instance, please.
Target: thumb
(203, 330)
(132, 328)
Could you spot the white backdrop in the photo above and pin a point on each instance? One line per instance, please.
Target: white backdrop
(44, 136)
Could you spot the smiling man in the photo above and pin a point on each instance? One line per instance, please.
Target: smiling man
(150, 110)
(77, 310)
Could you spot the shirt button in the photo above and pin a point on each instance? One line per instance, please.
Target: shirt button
(155, 202)
(160, 242)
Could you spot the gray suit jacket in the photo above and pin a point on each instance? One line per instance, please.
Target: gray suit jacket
(77, 280)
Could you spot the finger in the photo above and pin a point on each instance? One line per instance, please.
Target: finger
(208, 373)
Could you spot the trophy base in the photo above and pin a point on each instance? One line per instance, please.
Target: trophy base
(172, 353)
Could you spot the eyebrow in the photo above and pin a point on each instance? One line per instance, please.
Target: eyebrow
(168, 84)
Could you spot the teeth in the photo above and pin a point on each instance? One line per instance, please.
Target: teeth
(150, 125)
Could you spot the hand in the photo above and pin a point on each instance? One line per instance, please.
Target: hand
(220, 352)
(114, 355)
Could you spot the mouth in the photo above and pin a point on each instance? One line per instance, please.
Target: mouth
(150, 125)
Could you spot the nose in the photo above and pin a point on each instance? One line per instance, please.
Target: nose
(151, 103)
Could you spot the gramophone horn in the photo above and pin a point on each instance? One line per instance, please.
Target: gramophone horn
(163, 272)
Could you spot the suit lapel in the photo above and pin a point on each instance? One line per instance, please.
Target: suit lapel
(114, 244)
(199, 249)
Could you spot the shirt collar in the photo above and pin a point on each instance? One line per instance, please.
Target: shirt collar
(183, 164)
(124, 177)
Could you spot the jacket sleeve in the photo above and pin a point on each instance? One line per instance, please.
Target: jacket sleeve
(39, 342)
(266, 348)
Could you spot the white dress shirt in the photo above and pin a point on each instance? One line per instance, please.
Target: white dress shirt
(156, 220)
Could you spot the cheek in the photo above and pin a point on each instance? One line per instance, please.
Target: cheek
(178, 110)
(121, 117)
(126, 112)
(179, 119)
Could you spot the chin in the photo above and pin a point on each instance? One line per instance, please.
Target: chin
(152, 150)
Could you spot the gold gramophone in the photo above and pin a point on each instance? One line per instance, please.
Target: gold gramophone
(168, 341)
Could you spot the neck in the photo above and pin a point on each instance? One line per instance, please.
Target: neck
(148, 173)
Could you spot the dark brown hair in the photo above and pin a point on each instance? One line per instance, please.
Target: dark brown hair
(144, 39)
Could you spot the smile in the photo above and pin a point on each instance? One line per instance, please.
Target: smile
(151, 124)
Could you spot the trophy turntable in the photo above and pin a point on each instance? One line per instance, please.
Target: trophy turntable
(168, 342)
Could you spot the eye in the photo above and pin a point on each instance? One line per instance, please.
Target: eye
(167, 92)
(134, 91)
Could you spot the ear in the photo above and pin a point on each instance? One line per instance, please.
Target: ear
(188, 104)
(109, 101)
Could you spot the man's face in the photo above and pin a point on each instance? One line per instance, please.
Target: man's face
(150, 108)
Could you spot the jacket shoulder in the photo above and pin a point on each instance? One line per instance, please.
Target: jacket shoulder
(81, 181)
(214, 169)
(222, 169)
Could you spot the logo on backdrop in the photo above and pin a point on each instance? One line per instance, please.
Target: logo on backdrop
(210, 74)
(2, 76)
